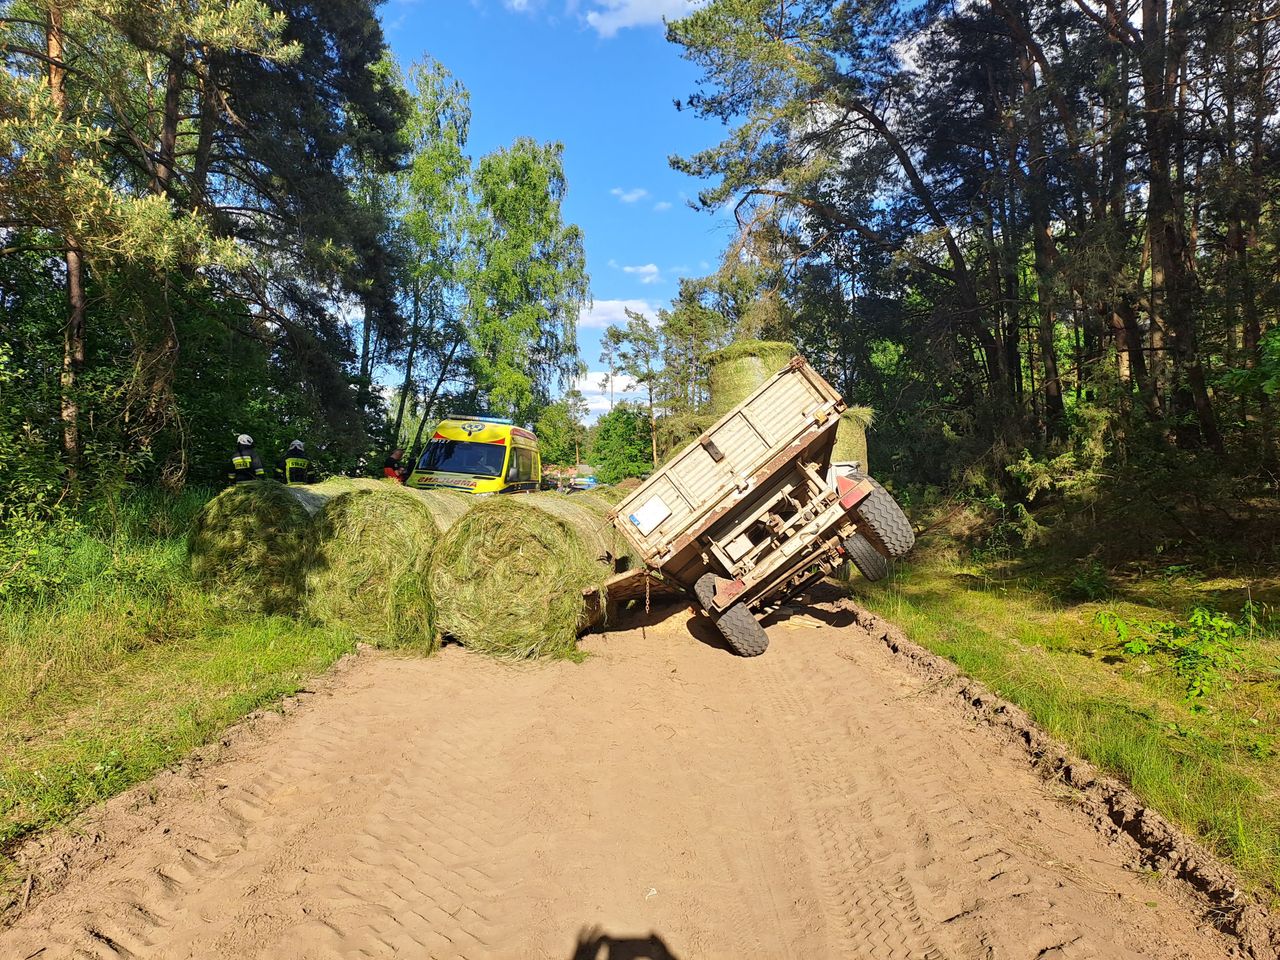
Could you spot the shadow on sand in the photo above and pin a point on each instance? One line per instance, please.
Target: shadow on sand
(594, 944)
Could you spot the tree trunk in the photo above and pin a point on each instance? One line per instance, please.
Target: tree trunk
(204, 133)
(408, 363)
(416, 449)
(74, 329)
(1175, 291)
(366, 365)
(164, 165)
(1046, 255)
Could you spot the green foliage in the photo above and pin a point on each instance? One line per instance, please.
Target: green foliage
(1090, 582)
(561, 432)
(1203, 651)
(529, 280)
(622, 444)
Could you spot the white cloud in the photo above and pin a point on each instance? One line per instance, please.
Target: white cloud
(594, 387)
(662, 205)
(630, 196)
(520, 6)
(646, 272)
(610, 16)
(603, 313)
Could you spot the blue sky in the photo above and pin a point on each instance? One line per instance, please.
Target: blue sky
(600, 77)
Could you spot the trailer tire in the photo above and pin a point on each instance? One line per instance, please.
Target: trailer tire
(871, 563)
(885, 524)
(740, 629)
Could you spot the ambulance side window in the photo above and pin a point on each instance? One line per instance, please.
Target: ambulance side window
(513, 465)
(526, 465)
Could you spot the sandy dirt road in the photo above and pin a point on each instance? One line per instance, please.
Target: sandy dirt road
(662, 800)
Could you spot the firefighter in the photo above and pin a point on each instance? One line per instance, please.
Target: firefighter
(246, 465)
(294, 467)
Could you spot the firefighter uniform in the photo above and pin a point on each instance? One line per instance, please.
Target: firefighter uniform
(246, 465)
(294, 468)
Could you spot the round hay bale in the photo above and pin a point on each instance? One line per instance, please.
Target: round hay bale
(508, 578)
(851, 436)
(739, 368)
(247, 543)
(369, 549)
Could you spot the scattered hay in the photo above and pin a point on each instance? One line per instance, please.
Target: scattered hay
(607, 494)
(247, 544)
(739, 368)
(508, 578)
(369, 548)
(851, 436)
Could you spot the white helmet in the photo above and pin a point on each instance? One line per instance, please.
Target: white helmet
(295, 445)
(244, 440)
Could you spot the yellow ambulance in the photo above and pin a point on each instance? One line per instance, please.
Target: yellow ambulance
(479, 455)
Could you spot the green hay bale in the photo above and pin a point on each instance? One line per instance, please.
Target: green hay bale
(739, 368)
(247, 544)
(369, 547)
(508, 578)
(851, 436)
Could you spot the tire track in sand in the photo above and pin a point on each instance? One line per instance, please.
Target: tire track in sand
(814, 802)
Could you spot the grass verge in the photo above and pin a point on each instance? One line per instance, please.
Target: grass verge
(116, 664)
(1207, 762)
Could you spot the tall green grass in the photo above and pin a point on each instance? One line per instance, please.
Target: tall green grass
(1210, 766)
(114, 662)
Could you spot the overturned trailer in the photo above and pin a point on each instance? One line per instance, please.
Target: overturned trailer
(754, 511)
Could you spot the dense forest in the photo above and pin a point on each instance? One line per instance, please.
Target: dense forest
(222, 218)
(1036, 237)
(1039, 238)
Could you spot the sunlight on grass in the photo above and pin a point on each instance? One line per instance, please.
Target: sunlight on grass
(115, 665)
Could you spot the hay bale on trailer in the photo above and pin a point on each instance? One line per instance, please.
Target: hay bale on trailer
(248, 545)
(851, 436)
(369, 547)
(509, 577)
(740, 367)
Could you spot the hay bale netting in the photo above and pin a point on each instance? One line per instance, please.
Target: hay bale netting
(247, 543)
(508, 578)
(369, 548)
(851, 436)
(739, 368)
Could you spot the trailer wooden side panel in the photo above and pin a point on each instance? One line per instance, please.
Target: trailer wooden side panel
(688, 494)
